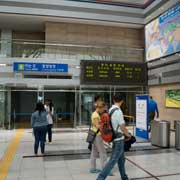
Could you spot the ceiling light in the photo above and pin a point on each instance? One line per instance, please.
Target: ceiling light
(3, 65)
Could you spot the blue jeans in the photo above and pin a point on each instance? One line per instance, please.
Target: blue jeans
(40, 137)
(117, 156)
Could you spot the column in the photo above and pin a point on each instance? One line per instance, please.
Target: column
(6, 43)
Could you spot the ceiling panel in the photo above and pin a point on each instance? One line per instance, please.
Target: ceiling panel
(128, 3)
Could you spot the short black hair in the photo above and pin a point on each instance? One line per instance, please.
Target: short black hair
(118, 98)
(98, 97)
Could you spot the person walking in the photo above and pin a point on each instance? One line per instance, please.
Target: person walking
(97, 146)
(50, 109)
(119, 127)
(153, 109)
(39, 124)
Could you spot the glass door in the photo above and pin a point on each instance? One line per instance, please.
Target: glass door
(64, 107)
(2, 108)
(22, 106)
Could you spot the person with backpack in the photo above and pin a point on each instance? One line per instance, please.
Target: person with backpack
(108, 133)
(98, 145)
(39, 124)
(118, 125)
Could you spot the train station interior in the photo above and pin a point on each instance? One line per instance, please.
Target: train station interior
(67, 53)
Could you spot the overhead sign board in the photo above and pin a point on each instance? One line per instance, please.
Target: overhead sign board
(39, 67)
(113, 73)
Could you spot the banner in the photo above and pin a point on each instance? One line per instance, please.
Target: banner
(142, 116)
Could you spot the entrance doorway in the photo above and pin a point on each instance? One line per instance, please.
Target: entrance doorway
(23, 105)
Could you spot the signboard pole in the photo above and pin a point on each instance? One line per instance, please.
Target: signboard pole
(142, 116)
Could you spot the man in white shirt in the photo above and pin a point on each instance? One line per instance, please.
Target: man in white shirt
(119, 127)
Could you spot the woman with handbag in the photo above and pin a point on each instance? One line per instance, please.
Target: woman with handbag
(98, 148)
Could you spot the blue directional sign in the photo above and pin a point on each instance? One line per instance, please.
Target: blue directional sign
(142, 116)
(39, 67)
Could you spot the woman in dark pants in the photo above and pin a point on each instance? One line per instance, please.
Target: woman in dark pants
(50, 109)
(39, 124)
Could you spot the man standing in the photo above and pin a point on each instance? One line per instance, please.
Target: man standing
(117, 155)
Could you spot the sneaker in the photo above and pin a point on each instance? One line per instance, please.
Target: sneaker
(98, 170)
(110, 174)
(95, 171)
(49, 142)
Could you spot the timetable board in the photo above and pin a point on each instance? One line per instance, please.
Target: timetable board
(113, 73)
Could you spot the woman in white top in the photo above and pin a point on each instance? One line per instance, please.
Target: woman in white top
(50, 109)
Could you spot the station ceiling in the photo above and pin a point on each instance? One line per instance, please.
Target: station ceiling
(127, 3)
(31, 15)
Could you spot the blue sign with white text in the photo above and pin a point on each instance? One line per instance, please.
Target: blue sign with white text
(39, 67)
(142, 103)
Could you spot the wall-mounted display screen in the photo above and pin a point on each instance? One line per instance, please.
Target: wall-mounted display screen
(173, 98)
(163, 34)
(113, 73)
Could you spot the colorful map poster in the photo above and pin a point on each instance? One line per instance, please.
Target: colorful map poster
(173, 98)
(163, 35)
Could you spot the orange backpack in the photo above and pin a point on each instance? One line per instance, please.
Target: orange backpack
(106, 130)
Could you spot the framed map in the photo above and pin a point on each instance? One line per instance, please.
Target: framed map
(163, 35)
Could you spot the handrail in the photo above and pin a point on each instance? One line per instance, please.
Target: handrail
(128, 116)
(56, 43)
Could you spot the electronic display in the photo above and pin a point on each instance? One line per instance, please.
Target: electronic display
(113, 73)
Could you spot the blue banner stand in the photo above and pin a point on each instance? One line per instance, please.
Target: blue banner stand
(142, 116)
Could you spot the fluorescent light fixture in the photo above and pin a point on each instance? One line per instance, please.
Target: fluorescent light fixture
(77, 67)
(3, 65)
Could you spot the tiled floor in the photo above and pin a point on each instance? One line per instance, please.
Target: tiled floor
(152, 164)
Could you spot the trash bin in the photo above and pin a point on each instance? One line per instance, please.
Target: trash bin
(154, 132)
(175, 123)
(160, 133)
(177, 135)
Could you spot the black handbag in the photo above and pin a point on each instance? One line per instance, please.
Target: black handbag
(128, 142)
(91, 136)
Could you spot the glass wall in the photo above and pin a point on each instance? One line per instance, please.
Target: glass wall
(86, 101)
(72, 107)
(2, 107)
